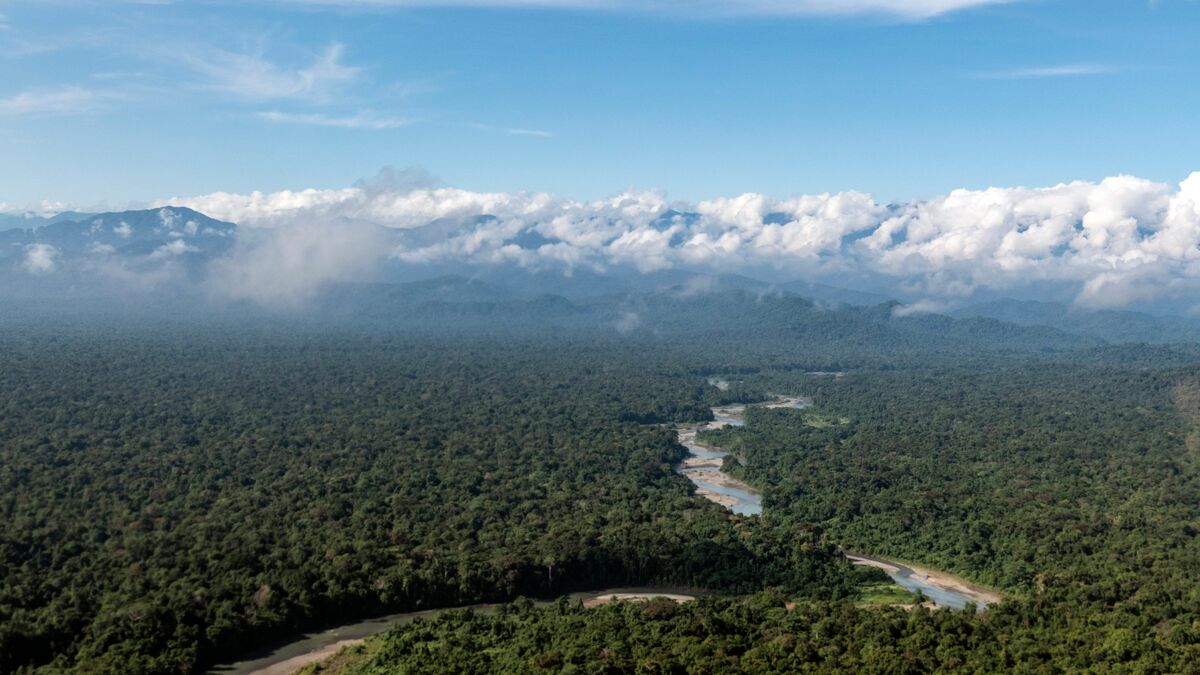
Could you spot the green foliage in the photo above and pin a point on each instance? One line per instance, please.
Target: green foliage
(174, 495)
(759, 635)
(1073, 486)
(167, 501)
(885, 595)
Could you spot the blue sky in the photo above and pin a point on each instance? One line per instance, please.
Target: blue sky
(111, 103)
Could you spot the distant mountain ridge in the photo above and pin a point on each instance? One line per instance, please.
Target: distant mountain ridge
(127, 241)
(22, 221)
(121, 230)
(1115, 326)
(733, 315)
(74, 250)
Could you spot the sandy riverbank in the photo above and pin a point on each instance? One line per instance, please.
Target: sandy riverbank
(728, 412)
(724, 500)
(948, 582)
(610, 598)
(297, 662)
(718, 478)
(327, 652)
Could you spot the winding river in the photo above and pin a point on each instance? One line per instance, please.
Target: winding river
(703, 467)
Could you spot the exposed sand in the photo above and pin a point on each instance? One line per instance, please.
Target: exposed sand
(324, 653)
(724, 500)
(868, 562)
(958, 585)
(738, 412)
(297, 662)
(700, 470)
(719, 479)
(707, 470)
(735, 412)
(610, 598)
(942, 580)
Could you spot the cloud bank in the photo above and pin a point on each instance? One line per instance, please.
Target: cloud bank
(1114, 242)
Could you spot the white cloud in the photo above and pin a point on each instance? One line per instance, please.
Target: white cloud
(60, 100)
(288, 264)
(514, 131)
(252, 76)
(919, 307)
(401, 209)
(1042, 72)
(173, 249)
(1117, 241)
(49, 208)
(627, 322)
(40, 258)
(529, 132)
(907, 9)
(358, 121)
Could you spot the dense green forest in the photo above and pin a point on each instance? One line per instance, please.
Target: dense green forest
(759, 635)
(169, 499)
(180, 492)
(1011, 474)
(1075, 488)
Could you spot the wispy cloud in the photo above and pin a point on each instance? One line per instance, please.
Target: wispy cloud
(364, 120)
(907, 9)
(253, 76)
(1042, 72)
(60, 100)
(529, 132)
(513, 131)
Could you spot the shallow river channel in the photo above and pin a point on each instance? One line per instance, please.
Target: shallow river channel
(703, 467)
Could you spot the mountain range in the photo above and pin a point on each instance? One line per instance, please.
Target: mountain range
(179, 245)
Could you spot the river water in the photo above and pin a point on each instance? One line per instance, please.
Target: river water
(703, 467)
(917, 581)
